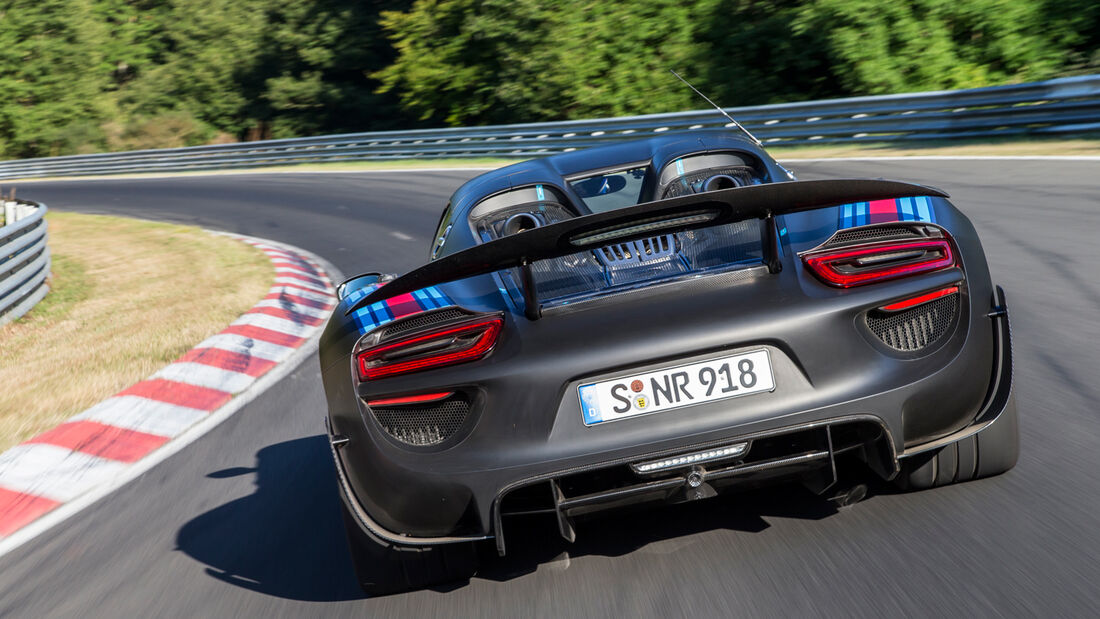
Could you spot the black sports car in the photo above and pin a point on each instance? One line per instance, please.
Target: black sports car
(657, 320)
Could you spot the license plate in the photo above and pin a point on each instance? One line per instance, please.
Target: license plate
(677, 387)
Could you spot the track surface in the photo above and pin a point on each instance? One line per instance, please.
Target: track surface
(245, 521)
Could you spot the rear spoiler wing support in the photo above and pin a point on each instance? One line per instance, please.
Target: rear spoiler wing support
(690, 212)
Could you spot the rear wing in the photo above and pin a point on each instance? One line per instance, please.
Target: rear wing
(703, 210)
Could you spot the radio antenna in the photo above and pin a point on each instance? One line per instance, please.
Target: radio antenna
(717, 107)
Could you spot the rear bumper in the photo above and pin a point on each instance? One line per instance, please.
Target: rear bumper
(471, 503)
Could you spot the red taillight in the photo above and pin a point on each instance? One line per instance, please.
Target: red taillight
(444, 346)
(845, 267)
(915, 301)
(422, 398)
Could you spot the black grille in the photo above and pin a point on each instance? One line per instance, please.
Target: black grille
(634, 252)
(420, 321)
(423, 425)
(917, 328)
(682, 185)
(877, 233)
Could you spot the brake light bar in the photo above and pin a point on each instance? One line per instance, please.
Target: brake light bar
(422, 398)
(858, 265)
(915, 301)
(438, 348)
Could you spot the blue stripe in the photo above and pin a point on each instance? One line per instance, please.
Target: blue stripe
(423, 300)
(906, 206)
(680, 167)
(924, 208)
(847, 220)
(438, 295)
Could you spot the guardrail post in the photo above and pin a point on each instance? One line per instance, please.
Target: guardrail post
(24, 258)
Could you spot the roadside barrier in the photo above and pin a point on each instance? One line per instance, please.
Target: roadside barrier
(24, 258)
(1059, 106)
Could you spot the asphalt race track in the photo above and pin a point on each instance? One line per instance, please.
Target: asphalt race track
(245, 522)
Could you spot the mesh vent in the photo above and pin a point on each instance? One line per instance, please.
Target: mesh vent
(682, 185)
(917, 328)
(424, 425)
(420, 321)
(642, 250)
(877, 233)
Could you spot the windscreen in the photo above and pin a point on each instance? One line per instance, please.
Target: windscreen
(614, 190)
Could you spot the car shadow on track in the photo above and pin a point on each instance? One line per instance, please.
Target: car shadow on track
(287, 538)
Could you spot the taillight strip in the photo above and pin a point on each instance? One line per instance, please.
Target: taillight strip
(422, 398)
(915, 301)
(824, 263)
(373, 365)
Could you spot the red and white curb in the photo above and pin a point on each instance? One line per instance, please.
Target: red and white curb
(55, 474)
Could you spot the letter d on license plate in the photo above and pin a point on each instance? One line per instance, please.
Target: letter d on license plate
(669, 388)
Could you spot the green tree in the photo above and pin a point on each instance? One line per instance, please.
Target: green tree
(52, 77)
(315, 62)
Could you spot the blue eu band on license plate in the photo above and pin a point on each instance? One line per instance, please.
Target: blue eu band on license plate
(671, 388)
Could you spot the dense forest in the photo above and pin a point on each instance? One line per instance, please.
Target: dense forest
(82, 76)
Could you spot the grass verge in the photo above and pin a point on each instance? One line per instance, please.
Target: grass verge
(126, 298)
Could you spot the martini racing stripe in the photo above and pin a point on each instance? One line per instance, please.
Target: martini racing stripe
(917, 208)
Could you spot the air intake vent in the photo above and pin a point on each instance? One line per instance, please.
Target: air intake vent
(636, 252)
(422, 321)
(918, 328)
(686, 183)
(423, 425)
(872, 233)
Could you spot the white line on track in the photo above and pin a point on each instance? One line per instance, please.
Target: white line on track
(401, 235)
(247, 346)
(274, 323)
(143, 415)
(294, 307)
(205, 376)
(57, 473)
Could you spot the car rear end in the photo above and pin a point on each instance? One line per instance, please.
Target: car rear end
(667, 367)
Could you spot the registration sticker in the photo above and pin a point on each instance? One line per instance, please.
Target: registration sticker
(677, 387)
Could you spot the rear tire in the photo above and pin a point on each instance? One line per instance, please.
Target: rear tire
(383, 568)
(990, 452)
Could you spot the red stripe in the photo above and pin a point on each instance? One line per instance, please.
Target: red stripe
(278, 254)
(915, 301)
(282, 263)
(102, 440)
(295, 317)
(403, 305)
(883, 210)
(314, 303)
(412, 399)
(180, 394)
(18, 509)
(265, 335)
(307, 288)
(228, 360)
(304, 278)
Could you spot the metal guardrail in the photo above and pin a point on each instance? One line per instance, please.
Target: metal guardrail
(24, 258)
(1055, 106)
